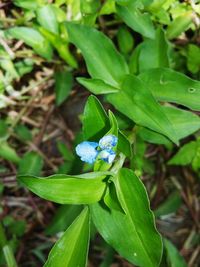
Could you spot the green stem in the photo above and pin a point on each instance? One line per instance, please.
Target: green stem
(6, 248)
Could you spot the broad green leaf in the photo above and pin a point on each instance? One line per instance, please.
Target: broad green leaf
(96, 86)
(133, 234)
(174, 258)
(66, 189)
(179, 25)
(32, 38)
(125, 40)
(27, 4)
(136, 102)
(136, 19)
(30, 164)
(46, 17)
(62, 219)
(154, 53)
(153, 137)
(71, 249)
(169, 85)
(63, 85)
(184, 122)
(185, 155)
(170, 205)
(103, 61)
(94, 115)
(61, 45)
(193, 58)
(8, 153)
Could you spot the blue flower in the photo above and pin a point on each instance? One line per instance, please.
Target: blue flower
(108, 142)
(107, 155)
(87, 151)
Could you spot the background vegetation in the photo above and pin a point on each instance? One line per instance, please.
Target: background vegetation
(41, 107)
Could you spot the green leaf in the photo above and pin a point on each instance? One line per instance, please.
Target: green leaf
(61, 45)
(135, 19)
(30, 164)
(125, 40)
(137, 103)
(174, 258)
(185, 155)
(32, 38)
(23, 132)
(179, 25)
(46, 17)
(170, 205)
(3, 129)
(184, 122)
(96, 86)
(103, 61)
(65, 152)
(132, 234)
(26, 4)
(169, 85)
(62, 219)
(72, 248)
(94, 114)
(154, 53)
(8, 153)
(153, 137)
(63, 85)
(66, 189)
(193, 59)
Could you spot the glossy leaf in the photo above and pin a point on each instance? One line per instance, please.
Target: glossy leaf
(103, 60)
(94, 114)
(133, 234)
(46, 17)
(72, 248)
(31, 164)
(96, 86)
(66, 189)
(184, 122)
(136, 102)
(32, 38)
(172, 86)
(135, 19)
(63, 85)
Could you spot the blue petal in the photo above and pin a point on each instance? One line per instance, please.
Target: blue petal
(108, 141)
(87, 151)
(107, 155)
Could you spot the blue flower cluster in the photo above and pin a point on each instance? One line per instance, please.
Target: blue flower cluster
(89, 151)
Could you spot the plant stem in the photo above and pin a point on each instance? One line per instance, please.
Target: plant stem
(6, 248)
